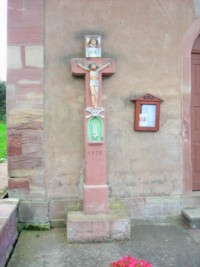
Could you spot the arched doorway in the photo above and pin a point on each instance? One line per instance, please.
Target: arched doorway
(188, 120)
(195, 114)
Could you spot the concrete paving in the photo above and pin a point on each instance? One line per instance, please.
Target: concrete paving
(163, 245)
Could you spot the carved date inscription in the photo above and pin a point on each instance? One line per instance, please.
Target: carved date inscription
(94, 154)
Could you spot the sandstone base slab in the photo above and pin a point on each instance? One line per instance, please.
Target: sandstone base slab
(82, 228)
(8, 228)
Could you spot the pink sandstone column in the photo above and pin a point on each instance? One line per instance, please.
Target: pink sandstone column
(95, 187)
(25, 99)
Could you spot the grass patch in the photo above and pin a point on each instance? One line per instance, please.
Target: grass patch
(3, 143)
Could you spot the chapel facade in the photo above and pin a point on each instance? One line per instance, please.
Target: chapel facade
(156, 47)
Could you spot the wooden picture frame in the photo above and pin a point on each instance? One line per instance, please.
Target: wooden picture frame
(147, 113)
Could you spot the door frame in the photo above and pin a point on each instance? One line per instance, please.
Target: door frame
(187, 44)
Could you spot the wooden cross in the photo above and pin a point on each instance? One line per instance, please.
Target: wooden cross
(93, 68)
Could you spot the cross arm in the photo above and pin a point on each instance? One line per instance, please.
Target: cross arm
(107, 67)
(77, 68)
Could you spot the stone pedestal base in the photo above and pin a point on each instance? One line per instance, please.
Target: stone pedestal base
(95, 199)
(83, 228)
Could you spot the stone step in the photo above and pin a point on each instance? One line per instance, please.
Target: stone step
(191, 217)
(191, 200)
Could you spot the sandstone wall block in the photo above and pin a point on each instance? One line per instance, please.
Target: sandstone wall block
(34, 212)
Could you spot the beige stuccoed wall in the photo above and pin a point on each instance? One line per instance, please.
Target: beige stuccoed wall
(145, 38)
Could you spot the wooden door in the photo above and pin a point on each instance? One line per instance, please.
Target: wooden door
(195, 122)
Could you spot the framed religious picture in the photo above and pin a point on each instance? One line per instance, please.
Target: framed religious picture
(92, 46)
(147, 113)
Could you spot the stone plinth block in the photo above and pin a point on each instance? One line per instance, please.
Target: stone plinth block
(191, 216)
(25, 35)
(18, 187)
(14, 144)
(82, 228)
(95, 199)
(33, 212)
(14, 57)
(34, 56)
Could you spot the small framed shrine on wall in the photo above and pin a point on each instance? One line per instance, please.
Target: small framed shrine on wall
(147, 113)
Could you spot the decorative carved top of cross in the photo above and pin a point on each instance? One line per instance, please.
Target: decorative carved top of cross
(93, 67)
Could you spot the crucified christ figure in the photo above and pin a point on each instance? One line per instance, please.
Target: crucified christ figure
(94, 79)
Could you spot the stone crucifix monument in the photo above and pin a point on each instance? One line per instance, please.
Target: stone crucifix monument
(96, 222)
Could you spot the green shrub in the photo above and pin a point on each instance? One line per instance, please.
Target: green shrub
(3, 144)
(2, 101)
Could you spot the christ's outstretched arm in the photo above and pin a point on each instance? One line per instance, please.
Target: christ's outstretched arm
(103, 67)
(82, 66)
